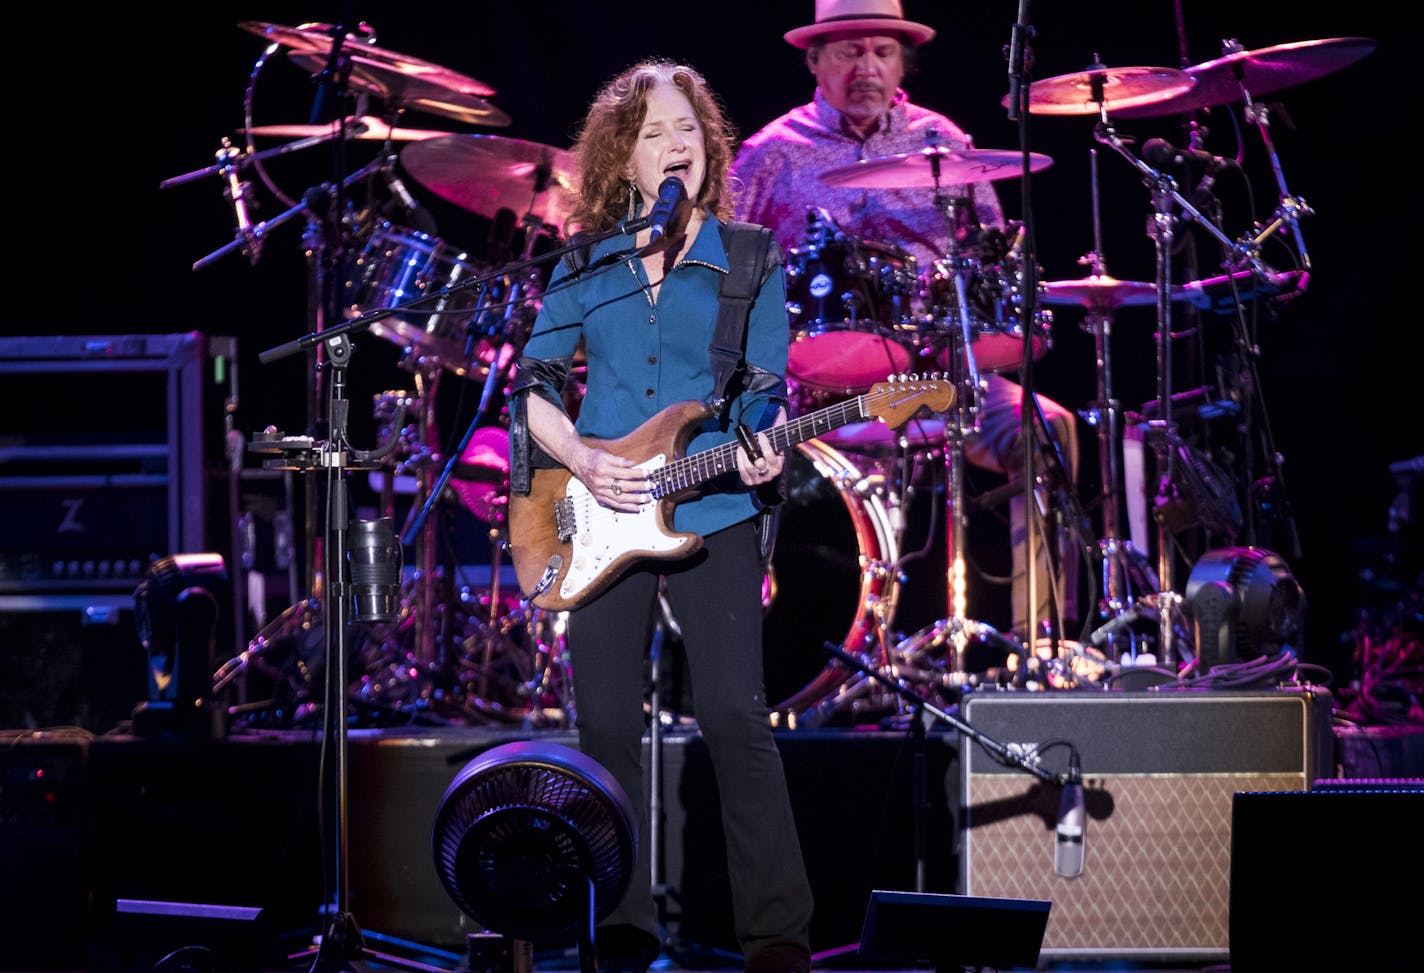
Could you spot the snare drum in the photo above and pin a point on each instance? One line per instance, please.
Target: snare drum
(849, 306)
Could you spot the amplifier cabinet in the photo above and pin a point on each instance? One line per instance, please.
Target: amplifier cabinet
(116, 474)
(1159, 770)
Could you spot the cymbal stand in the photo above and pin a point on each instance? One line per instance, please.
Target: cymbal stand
(1288, 212)
(1114, 550)
(956, 629)
(963, 423)
(1162, 430)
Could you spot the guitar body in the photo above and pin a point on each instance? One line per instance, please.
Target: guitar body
(603, 542)
(567, 547)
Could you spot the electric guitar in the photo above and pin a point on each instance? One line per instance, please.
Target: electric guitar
(567, 547)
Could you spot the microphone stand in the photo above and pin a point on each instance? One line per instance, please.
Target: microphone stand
(340, 943)
(1019, 111)
(1014, 757)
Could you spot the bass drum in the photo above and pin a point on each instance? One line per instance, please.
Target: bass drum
(834, 558)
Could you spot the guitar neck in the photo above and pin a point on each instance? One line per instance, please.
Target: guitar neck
(691, 471)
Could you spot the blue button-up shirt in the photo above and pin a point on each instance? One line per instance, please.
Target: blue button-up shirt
(645, 355)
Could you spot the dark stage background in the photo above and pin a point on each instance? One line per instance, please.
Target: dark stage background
(112, 105)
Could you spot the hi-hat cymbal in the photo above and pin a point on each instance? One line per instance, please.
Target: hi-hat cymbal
(486, 173)
(1109, 89)
(1229, 78)
(933, 166)
(1101, 291)
(366, 128)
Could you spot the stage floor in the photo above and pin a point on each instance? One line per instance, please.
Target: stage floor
(91, 822)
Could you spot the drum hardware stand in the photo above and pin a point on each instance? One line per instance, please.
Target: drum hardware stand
(1114, 551)
(1163, 431)
(956, 629)
(340, 944)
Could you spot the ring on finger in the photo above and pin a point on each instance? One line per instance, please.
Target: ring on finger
(618, 489)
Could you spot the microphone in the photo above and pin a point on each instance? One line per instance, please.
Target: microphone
(419, 215)
(1160, 152)
(1071, 830)
(671, 195)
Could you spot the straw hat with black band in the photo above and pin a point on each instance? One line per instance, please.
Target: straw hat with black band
(844, 16)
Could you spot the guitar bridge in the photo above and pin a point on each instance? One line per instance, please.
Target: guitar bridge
(564, 518)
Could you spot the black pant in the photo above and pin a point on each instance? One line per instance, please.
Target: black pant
(716, 599)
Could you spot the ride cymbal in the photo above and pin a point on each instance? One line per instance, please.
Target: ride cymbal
(487, 173)
(933, 166)
(1231, 77)
(1108, 89)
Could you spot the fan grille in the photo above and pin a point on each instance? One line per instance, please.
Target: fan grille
(524, 829)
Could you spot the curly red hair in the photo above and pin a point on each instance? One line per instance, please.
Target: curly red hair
(605, 142)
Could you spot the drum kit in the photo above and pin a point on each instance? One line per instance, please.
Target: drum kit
(861, 308)
(858, 310)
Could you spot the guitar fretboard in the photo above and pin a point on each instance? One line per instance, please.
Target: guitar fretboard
(690, 471)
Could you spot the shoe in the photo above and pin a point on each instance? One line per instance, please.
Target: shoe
(625, 949)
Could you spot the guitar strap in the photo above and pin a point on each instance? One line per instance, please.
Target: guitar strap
(747, 245)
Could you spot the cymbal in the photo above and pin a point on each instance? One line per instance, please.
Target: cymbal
(315, 38)
(1102, 291)
(417, 86)
(485, 173)
(931, 166)
(1259, 72)
(366, 128)
(1110, 89)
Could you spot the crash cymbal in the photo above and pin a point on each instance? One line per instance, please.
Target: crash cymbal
(1101, 291)
(416, 86)
(486, 173)
(365, 128)
(931, 166)
(315, 38)
(1110, 89)
(1260, 72)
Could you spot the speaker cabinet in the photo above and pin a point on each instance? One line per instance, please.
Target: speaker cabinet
(1160, 770)
(1288, 909)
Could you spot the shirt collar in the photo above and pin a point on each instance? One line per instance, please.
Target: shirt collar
(706, 249)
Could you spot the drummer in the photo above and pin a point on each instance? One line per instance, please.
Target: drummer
(859, 51)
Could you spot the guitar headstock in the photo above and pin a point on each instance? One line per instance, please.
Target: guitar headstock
(896, 400)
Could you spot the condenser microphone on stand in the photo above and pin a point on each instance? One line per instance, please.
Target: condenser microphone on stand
(376, 563)
(1071, 830)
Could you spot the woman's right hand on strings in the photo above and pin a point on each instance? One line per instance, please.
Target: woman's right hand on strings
(615, 481)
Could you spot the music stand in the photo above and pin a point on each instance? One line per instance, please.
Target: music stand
(954, 930)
